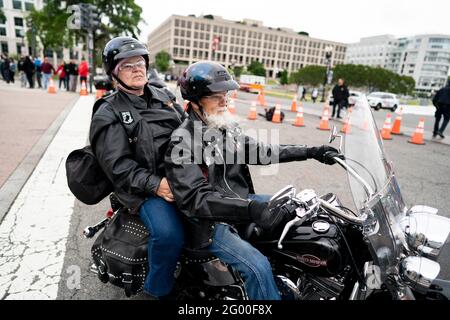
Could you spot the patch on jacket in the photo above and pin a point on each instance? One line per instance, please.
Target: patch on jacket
(126, 117)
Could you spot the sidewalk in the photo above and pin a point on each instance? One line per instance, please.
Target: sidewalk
(34, 233)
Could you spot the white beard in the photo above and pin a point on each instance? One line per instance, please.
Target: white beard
(224, 121)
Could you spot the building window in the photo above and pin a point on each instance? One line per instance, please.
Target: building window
(17, 4)
(1, 4)
(4, 46)
(2, 31)
(29, 6)
(18, 22)
(19, 33)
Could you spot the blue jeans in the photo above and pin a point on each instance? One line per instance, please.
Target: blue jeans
(246, 259)
(47, 77)
(163, 221)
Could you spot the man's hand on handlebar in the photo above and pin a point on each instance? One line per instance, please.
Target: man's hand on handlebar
(324, 154)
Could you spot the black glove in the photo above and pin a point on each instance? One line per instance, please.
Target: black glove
(270, 218)
(324, 154)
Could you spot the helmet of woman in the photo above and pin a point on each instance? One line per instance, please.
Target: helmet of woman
(204, 78)
(120, 48)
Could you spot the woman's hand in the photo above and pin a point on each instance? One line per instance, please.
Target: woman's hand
(164, 191)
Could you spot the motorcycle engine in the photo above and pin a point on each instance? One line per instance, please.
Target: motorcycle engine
(315, 256)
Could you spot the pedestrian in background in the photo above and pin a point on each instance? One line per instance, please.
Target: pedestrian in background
(73, 75)
(66, 79)
(62, 75)
(29, 68)
(340, 97)
(303, 98)
(37, 68)
(83, 70)
(47, 71)
(442, 103)
(23, 76)
(12, 70)
(314, 95)
(5, 68)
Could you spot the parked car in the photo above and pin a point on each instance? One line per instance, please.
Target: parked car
(385, 100)
(354, 96)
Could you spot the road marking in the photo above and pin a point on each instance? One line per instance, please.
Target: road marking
(34, 233)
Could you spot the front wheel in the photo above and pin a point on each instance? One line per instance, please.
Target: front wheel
(378, 107)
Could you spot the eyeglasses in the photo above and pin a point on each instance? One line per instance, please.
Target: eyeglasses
(130, 66)
(218, 97)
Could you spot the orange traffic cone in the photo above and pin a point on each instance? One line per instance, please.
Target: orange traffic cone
(277, 114)
(299, 121)
(386, 132)
(231, 107)
(324, 122)
(83, 91)
(234, 94)
(252, 113)
(346, 128)
(398, 123)
(99, 94)
(294, 104)
(261, 99)
(417, 137)
(51, 86)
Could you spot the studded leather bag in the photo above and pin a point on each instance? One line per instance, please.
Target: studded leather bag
(120, 252)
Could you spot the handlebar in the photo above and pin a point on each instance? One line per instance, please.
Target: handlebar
(302, 214)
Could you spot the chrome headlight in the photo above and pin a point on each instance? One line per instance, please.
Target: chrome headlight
(425, 231)
(419, 273)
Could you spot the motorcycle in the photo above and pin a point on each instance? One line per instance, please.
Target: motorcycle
(379, 250)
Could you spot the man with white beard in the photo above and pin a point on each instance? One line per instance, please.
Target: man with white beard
(214, 194)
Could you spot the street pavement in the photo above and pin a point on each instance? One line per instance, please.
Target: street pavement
(43, 254)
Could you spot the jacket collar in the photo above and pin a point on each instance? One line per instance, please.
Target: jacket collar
(140, 103)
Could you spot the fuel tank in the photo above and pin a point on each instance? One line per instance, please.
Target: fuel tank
(316, 247)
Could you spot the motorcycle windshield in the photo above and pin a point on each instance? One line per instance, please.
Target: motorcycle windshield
(379, 199)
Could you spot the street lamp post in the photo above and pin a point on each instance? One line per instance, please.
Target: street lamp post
(328, 54)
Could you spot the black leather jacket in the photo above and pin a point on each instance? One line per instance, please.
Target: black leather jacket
(131, 151)
(208, 192)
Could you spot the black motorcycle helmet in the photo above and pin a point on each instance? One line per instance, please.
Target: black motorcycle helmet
(204, 78)
(120, 48)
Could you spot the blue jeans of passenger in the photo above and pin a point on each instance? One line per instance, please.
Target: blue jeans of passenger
(166, 240)
(246, 259)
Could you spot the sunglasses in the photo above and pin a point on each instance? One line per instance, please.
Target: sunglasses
(130, 66)
(218, 97)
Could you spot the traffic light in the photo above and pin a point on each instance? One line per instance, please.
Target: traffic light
(84, 15)
(94, 17)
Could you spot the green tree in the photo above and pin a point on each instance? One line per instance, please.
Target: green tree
(162, 61)
(237, 71)
(312, 75)
(257, 68)
(121, 17)
(374, 78)
(284, 79)
(52, 33)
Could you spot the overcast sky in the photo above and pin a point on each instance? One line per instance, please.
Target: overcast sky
(344, 21)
